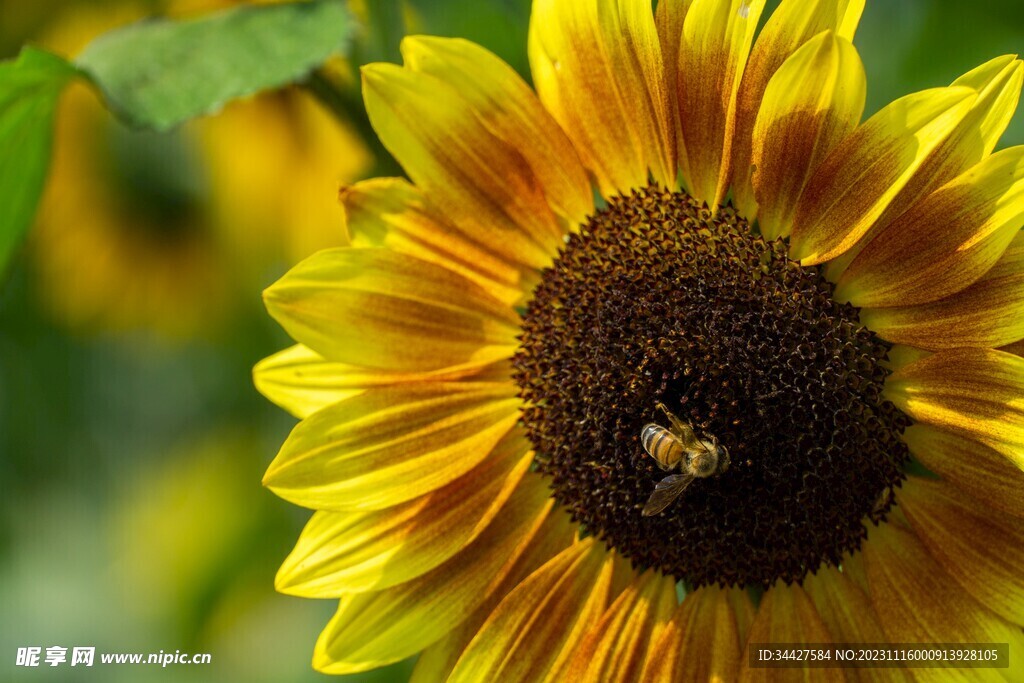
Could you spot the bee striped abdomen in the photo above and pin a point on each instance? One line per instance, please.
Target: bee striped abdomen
(661, 445)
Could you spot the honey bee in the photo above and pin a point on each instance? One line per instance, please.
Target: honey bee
(679, 446)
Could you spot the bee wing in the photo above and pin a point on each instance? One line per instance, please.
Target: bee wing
(666, 491)
(688, 438)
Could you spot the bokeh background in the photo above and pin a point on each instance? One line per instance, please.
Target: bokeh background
(132, 442)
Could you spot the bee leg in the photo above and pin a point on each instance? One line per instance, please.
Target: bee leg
(678, 426)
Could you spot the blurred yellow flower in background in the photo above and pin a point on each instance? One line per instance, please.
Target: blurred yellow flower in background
(121, 242)
(823, 296)
(282, 197)
(165, 232)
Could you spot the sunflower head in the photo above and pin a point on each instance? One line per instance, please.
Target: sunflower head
(658, 300)
(496, 375)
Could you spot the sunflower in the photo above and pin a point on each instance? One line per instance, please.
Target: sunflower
(681, 216)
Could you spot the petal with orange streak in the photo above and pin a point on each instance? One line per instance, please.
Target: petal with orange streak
(354, 552)
(790, 26)
(856, 182)
(849, 617)
(668, 18)
(700, 643)
(394, 214)
(984, 474)
(532, 633)
(392, 444)
(946, 242)
(620, 643)
(512, 112)
(437, 661)
(380, 309)
(982, 548)
(997, 83)
(989, 313)
(812, 103)
(717, 35)
(472, 172)
(376, 628)
(976, 393)
(918, 602)
(598, 68)
(787, 615)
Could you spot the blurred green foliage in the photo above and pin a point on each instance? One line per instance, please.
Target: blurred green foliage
(29, 88)
(131, 514)
(914, 44)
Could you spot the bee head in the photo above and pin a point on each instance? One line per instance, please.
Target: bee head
(723, 457)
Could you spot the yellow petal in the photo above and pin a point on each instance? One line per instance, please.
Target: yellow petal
(851, 188)
(813, 102)
(617, 646)
(393, 213)
(437, 661)
(353, 552)
(945, 242)
(380, 309)
(987, 314)
(977, 393)
(512, 113)
(981, 548)
(536, 627)
(668, 18)
(716, 41)
(977, 470)
(700, 643)
(636, 45)
(377, 628)
(843, 607)
(392, 444)
(744, 610)
(302, 381)
(299, 380)
(790, 26)
(482, 182)
(849, 617)
(917, 602)
(598, 68)
(997, 83)
(787, 615)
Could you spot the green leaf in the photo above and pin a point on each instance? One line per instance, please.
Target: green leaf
(29, 89)
(158, 73)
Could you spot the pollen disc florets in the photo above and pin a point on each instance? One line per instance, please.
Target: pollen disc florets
(656, 299)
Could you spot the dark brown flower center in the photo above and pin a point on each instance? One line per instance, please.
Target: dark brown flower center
(658, 300)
